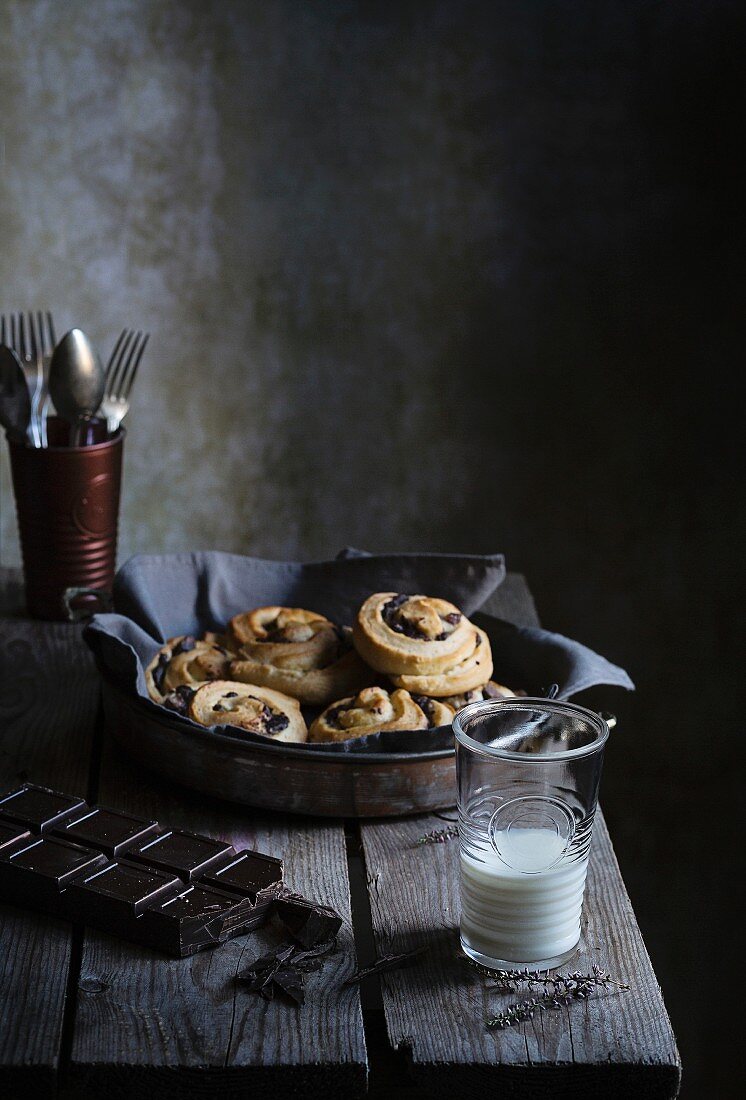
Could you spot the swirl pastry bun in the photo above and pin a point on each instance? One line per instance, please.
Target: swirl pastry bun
(297, 652)
(490, 690)
(184, 662)
(424, 644)
(269, 624)
(250, 707)
(370, 711)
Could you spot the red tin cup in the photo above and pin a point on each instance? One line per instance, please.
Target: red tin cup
(67, 502)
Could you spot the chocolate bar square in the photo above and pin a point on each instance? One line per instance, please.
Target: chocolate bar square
(122, 890)
(36, 870)
(248, 874)
(38, 808)
(185, 854)
(109, 830)
(9, 834)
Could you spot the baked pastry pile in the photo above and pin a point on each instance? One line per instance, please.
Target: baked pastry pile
(408, 663)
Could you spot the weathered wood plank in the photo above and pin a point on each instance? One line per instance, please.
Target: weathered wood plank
(150, 1025)
(47, 713)
(435, 1011)
(611, 1045)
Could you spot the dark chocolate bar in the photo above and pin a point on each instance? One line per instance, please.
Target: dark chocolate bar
(38, 808)
(187, 855)
(108, 830)
(169, 889)
(128, 876)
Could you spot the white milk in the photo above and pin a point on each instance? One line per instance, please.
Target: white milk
(511, 916)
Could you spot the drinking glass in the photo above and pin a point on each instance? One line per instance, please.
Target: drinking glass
(528, 776)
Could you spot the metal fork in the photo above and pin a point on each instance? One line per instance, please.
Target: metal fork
(32, 337)
(120, 374)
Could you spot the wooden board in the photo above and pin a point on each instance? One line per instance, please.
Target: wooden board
(613, 1045)
(47, 714)
(147, 1025)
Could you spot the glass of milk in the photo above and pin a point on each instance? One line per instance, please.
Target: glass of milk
(528, 776)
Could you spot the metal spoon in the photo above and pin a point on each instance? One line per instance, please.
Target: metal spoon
(15, 400)
(76, 381)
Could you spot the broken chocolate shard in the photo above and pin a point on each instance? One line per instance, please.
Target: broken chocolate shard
(284, 969)
(307, 921)
(38, 808)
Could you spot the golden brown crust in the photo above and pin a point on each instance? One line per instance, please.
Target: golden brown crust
(184, 661)
(374, 709)
(262, 623)
(467, 674)
(415, 635)
(300, 653)
(249, 707)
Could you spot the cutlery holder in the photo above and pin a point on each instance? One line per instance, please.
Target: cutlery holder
(67, 503)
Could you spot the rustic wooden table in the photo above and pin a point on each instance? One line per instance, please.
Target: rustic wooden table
(84, 1014)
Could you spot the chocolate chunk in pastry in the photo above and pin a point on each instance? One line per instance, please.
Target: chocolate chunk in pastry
(370, 711)
(490, 690)
(249, 707)
(297, 652)
(426, 645)
(184, 661)
(437, 711)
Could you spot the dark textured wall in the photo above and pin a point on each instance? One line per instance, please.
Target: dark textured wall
(430, 275)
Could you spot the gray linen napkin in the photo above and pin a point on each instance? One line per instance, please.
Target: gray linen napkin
(159, 596)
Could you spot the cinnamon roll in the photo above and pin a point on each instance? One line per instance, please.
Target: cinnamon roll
(426, 645)
(184, 661)
(297, 652)
(371, 711)
(250, 707)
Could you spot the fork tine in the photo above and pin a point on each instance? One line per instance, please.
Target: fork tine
(3, 338)
(114, 358)
(33, 345)
(137, 356)
(50, 330)
(41, 335)
(116, 375)
(14, 333)
(22, 331)
(122, 379)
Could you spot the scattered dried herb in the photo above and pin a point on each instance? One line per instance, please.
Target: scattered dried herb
(438, 836)
(284, 970)
(386, 962)
(558, 991)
